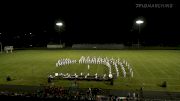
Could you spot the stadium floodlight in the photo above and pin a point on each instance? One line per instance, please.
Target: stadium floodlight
(59, 24)
(139, 22)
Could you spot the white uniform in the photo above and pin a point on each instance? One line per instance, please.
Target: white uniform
(88, 67)
(132, 74)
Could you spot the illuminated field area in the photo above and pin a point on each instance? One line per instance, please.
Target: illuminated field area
(150, 67)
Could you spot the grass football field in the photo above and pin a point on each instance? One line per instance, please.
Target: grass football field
(150, 67)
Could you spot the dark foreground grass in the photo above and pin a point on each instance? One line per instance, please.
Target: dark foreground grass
(151, 68)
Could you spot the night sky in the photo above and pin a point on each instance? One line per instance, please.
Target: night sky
(88, 22)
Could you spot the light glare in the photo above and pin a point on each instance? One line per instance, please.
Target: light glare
(139, 21)
(59, 24)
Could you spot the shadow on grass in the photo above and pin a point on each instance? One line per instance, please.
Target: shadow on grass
(163, 84)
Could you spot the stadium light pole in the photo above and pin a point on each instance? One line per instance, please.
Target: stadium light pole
(139, 22)
(59, 25)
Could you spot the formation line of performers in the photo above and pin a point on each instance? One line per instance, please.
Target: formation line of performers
(117, 63)
(65, 61)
